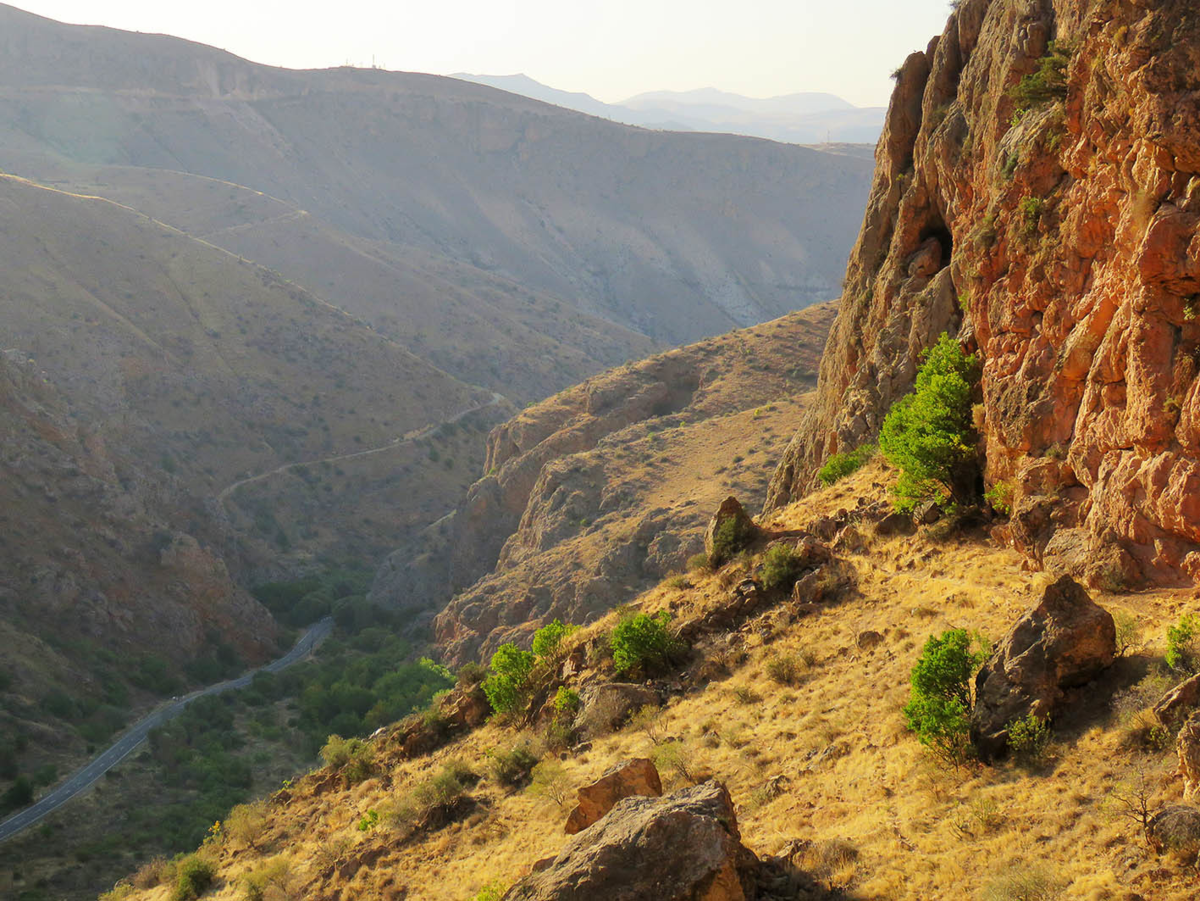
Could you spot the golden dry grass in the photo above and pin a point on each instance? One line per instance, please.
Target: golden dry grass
(835, 744)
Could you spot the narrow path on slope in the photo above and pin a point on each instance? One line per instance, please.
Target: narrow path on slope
(87, 775)
(414, 435)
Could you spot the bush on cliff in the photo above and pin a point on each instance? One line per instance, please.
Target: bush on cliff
(927, 435)
(508, 686)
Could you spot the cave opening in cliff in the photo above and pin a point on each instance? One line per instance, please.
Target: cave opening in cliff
(939, 231)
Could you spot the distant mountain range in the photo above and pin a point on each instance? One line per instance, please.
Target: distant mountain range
(804, 118)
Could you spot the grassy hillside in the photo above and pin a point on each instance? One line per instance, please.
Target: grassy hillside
(800, 715)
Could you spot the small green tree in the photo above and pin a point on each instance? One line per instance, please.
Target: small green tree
(927, 435)
(641, 641)
(781, 567)
(1183, 644)
(732, 536)
(547, 640)
(939, 707)
(508, 686)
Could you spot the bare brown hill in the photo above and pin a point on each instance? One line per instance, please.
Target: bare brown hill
(605, 488)
(670, 236)
(1036, 192)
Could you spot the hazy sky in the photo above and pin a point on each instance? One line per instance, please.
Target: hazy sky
(611, 49)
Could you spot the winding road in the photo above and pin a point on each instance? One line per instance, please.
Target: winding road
(87, 775)
(414, 435)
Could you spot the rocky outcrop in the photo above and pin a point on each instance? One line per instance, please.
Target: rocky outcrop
(603, 707)
(1063, 642)
(730, 523)
(1058, 240)
(1177, 703)
(1175, 829)
(684, 847)
(631, 778)
(1187, 744)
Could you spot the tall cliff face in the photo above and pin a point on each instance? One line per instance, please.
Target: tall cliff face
(1037, 191)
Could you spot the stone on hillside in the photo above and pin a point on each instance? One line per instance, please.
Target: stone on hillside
(1188, 746)
(604, 707)
(1176, 829)
(742, 531)
(684, 847)
(1063, 642)
(637, 777)
(1178, 702)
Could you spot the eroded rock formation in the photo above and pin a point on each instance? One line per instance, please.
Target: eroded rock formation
(628, 779)
(1060, 238)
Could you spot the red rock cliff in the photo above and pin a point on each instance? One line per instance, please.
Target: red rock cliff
(1063, 243)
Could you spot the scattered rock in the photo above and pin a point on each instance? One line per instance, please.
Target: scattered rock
(1178, 702)
(927, 513)
(895, 524)
(604, 707)
(1188, 747)
(1065, 641)
(1176, 829)
(684, 847)
(867, 640)
(637, 777)
(744, 527)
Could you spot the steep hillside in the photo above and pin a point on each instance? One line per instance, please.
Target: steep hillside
(605, 488)
(1036, 193)
(796, 708)
(674, 236)
(145, 374)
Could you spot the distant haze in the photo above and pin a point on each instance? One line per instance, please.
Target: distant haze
(613, 49)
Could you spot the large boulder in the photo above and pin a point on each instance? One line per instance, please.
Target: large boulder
(606, 706)
(1064, 641)
(1188, 746)
(1177, 703)
(684, 847)
(735, 527)
(1175, 829)
(632, 778)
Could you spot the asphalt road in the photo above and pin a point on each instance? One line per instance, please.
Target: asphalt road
(86, 776)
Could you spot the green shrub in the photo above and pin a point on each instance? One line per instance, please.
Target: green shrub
(1031, 214)
(508, 686)
(839, 466)
(511, 768)
(1129, 632)
(732, 537)
(1029, 740)
(939, 706)
(470, 675)
(1047, 83)
(566, 701)
(781, 567)
(785, 670)
(641, 642)
(193, 875)
(119, 892)
(493, 891)
(1183, 645)
(18, 794)
(927, 434)
(353, 757)
(1000, 496)
(547, 640)
(698, 562)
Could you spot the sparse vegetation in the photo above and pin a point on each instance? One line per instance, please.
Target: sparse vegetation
(732, 537)
(927, 434)
(781, 567)
(838, 466)
(642, 642)
(1000, 496)
(1029, 740)
(1048, 82)
(508, 686)
(1183, 645)
(940, 705)
(1022, 882)
(549, 779)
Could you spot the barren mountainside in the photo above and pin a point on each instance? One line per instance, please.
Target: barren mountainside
(1037, 192)
(453, 188)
